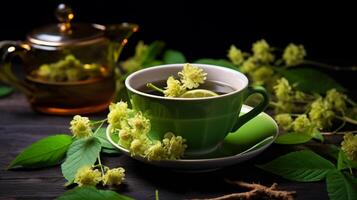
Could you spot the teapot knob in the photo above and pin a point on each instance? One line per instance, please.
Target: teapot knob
(64, 15)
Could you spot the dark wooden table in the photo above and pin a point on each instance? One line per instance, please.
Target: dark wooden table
(20, 126)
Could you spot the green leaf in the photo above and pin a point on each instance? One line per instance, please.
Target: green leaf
(45, 152)
(218, 62)
(293, 138)
(172, 56)
(92, 193)
(316, 134)
(82, 152)
(110, 151)
(341, 186)
(344, 163)
(4, 91)
(309, 80)
(304, 166)
(102, 137)
(152, 52)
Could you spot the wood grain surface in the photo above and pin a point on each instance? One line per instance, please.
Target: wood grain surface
(20, 126)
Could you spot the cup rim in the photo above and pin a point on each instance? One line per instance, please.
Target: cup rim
(128, 86)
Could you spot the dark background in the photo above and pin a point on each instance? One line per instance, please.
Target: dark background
(208, 28)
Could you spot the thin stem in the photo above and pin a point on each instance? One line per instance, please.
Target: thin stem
(338, 133)
(152, 86)
(350, 101)
(340, 127)
(100, 121)
(100, 164)
(331, 67)
(100, 125)
(347, 119)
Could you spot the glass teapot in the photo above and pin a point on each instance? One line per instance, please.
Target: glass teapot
(69, 68)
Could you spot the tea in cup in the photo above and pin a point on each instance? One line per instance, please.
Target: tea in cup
(204, 122)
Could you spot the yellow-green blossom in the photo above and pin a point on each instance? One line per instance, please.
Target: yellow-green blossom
(173, 88)
(137, 147)
(174, 145)
(235, 55)
(299, 96)
(262, 51)
(349, 146)
(321, 114)
(86, 176)
(336, 99)
(80, 127)
(262, 75)
(302, 124)
(192, 76)
(155, 152)
(285, 121)
(114, 176)
(117, 114)
(249, 65)
(294, 54)
(283, 90)
(140, 124)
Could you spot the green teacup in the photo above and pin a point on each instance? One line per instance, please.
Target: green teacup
(203, 122)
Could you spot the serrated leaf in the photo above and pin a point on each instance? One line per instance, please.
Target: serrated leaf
(304, 166)
(82, 152)
(4, 91)
(293, 138)
(309, 80)
(45, 152)
(92, 193)
(341, 186)
(344, 163)
(102, 137)
(173, 56)
(218, 62)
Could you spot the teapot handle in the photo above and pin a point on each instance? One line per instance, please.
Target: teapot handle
(8, 49)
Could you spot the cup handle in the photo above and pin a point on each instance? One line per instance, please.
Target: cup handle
(255, 111)
(8, 49)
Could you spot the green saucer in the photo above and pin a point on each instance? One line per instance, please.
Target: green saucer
(250, 140)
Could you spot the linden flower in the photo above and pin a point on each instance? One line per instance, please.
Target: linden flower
(336, 99)
(321, 114)
(284, 120)
(80, 127)
(174, 88)
(262, 75)
(86, 176)
(191, 76)
(249, 65)
(118, 113)
(349, 146)
(235, 55)
(174, 145)
(140, 124)
(155, 152)
(294, 54)
(114, 176)
(302, 124)
(262, 51)
(283, 90)
(137, 147)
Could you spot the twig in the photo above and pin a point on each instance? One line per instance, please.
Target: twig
(257, 191)
(331, 67)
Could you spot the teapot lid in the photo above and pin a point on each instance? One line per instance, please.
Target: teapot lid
(66, 33)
